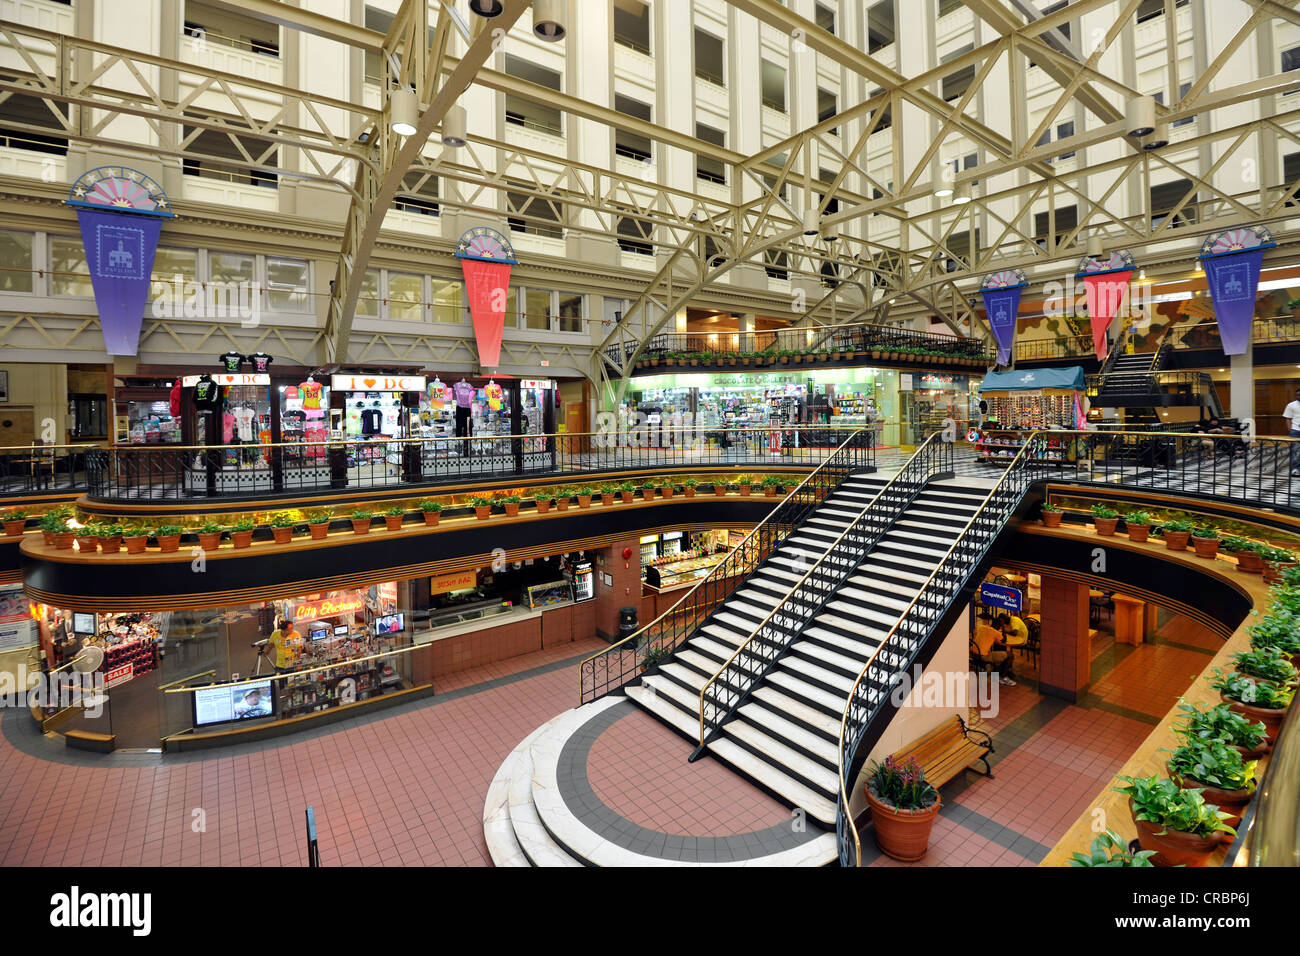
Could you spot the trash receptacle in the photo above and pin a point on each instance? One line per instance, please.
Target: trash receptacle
(626, 622)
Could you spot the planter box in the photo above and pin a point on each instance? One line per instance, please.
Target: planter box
(668, 491)
(688, 491)
(902, 834)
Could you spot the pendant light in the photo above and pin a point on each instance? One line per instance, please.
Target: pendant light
(453, 127)
(1158, 138)
(1140, 116)
(961, 195)
(487, 8)
(811, 222)
(548, 20)
(402, 110)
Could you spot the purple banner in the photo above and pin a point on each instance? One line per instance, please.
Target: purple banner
(119, 249)
(1234, 280)
(1001, 306)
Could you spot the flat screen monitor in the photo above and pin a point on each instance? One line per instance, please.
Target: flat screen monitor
(83, 623)
(340, 630)
(227, 703)
(318, 632)
(390, 624)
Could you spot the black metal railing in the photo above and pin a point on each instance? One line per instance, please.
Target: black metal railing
(730, 686)
(37, 469)
(173, 473)
(898, 650)
(620, 663)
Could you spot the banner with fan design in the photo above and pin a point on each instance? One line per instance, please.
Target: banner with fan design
(1104, 293)
(1001, 294)
(1232, 262)
(485, 286)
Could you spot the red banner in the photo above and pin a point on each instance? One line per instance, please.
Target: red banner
(487, 284)
(1104, 294)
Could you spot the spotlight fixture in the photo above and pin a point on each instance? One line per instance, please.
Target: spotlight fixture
(961, 195)
(1142, 274)
(944, 190)
(830, 233)
(487, 8)
(548, 20)
(453, 127)
(1095, 247)
(1158, 138)
(1140, 116)
(402, 110)
(811, 222)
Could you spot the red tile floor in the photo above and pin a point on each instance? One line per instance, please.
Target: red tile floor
(408, 787)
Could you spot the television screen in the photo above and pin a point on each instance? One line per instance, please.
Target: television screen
(318, 632)
(83, 623)
(225, 703)
(340, 630)
(391, 624)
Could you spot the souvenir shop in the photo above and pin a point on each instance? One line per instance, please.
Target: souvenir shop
(673, 559)
(928, 399)
(1013, 404)
(474, 595)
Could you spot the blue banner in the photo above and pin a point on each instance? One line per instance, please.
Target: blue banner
(119, 250)
(1001, 306)
(995, 595)
(1234, 281)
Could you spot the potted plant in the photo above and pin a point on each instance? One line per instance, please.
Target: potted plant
(689, 486)
(54, 525)
(168, 537)
(1275, 559)
(651, 657)
(563, 498)
(1266, 663)
(719, 488)
(744, 484)
(511, 503)
(607, 493)
(1250, 737)
(318, 523)
(87, 537)
(1176, 534)
(1247, 552)
(15, 521)
(1206, 541)
(241, 532)
(1280, 630)
(361, 521)
(1108, 849)
(543, 502)
(482, 507)
(668, 489)
(1260, 700)
(1178, 824)
(1104, 520)
(1052, 515)
(1294, 306)
(583, 495)
(393, 518)
(771, 485)
(1217, 769)
(1138, 524)
(210, 533)
(627, 490)
(431, 510)
(135, 538)
(648, 491)
(110, 538)
(282, 527)
(903, 808)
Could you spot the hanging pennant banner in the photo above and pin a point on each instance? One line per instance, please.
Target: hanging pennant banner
(1104, 294)
(485, 258)
(1001, 294)
(120, 212)
(1232, 261)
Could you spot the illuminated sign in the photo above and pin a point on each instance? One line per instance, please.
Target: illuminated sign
(239, 378)
(536, 383)
(378, 383)
(458, 581)
(328, 607)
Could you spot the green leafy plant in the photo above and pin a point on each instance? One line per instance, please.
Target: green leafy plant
(1109, 849)
(1051, 508)
(1176, 526)
(110, 530)
(282, 519)
(1204, 532)
(508, 499)
(691, 483)
(1251, 690)
(1234, 543)
(394, 512)
(771, 481)
(429, 507)
(479, 501)
(86, 531)
(1277, 555)
(1280, 629)
(243, 524)
(1138, 518)
(54, 523)
(1101, 511)
(626, 486)
(1162, 803)
(320, 516)
(1212, 761)
(901, 783)
(15, 514)
(609, 489)
(167, 530)
(648, 486)
(1266, 663)
(653, 655)
(361, 514)
(135, 529)
(1223, 723)
(209, 527)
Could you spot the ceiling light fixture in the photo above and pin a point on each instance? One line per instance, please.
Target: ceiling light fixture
(961, 196)
(453, 127)
(1140, 116)
(487, 8)
(402, 111)
(548, 20)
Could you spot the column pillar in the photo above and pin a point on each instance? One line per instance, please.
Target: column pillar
(625, 590)
(1241, 384)
(1066, 657)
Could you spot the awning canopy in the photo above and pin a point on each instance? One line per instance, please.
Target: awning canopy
(1065, 379)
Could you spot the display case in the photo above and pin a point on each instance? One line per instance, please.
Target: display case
(675, 574)
(463, 613)
(1003, 444)
(548, 594)
(152, 423)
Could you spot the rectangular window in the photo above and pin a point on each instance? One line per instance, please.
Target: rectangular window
(405, 296)
(827, 106)
(632, 145)
(448, 298)
(825, 17)
(537, 310)
(380, 21)
(632, 28)
(540, 217)
(710, 170)
(1065, 131)
(32, 111)
(16, 261)
(223, 158)
(1067, 218)
(170, 263)
(569, 312)
(776, 264)
(69, 273)
(880, 25)
(421, 199)
(773, 85)
(1168, 195)
(521, 111)
(709, 58)
(241, 33)
(230, 267)
(368, 300)
(1182, 92)
(634, 236)
(286, 284)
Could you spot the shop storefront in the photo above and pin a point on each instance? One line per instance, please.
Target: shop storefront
(1019, 403)
(676, 559)
(933, 398)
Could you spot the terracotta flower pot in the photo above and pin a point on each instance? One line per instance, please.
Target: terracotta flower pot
(1205, 547)
(902, 834)
(282, 535)
(512, 508)
(688, 491)
(431, 518)
(1232, 802)
(1250, 562)
(1177, 540)
(744, 489)
(393, 522)
(543, 505)
(584, 501)
(627, 496)
(482, 512)
(719, 489)
(1253, 753)
(48, 537)
(318, 531)
(210, 542)
(168, 543)
(1177, 849)
(769, 491)
(87, 543)
(562, 503)
(111, 544)
(1105, 526)
(647, 494)
(668, 491)
(63, 540)
(242, 539)
(1139, 532)
(360, 525)
(1273, 570)
(135, 544)
(1270, 717)
(1052, 519)
(15, 528)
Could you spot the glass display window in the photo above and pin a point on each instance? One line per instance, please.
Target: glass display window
(152, 423)
(303, 420)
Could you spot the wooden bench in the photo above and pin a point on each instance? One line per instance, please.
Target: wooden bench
(86, 740)
(949, 749)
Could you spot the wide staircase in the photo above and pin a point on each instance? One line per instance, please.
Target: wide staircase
(786, 678)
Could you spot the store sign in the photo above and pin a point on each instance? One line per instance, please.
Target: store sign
(118, 675)
(936, 380)
(459, 581)
(905, 381)
(227, 378)
(378, 383)
(536, 383)
(995, 595)
(328, 607)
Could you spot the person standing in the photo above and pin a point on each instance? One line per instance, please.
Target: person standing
(1292, 415)
(284, 642)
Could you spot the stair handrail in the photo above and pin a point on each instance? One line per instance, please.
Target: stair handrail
(859, 440)
(1116, 350)
(844, 824)
(921, 459)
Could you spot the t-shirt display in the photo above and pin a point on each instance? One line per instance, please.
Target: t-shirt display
(261, 361)
(311, 392)
(464, 393)
(231, 361)
(492, 391)
(207, 394)
(372, 420)
(245, 418)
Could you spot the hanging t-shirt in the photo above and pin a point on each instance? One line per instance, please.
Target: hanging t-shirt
(207, 394)
(464, 393)
(244, 420)
(436, 394)
(291, 393)
(493, 393)
(261, 361)
(175, 399)
(310, 394)
(227, 428)
(231, 361)
(372, 421)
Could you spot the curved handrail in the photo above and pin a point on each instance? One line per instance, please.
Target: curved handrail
(845, 815)
(921, 452)
(718, 569)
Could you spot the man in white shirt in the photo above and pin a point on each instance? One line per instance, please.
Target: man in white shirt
(1292, 415)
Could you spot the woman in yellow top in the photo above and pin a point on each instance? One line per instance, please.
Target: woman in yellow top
(284, 641)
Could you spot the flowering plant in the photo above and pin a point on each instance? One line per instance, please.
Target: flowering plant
(901, 783)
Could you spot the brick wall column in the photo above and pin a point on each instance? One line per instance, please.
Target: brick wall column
(626, 589)
(1066, 658)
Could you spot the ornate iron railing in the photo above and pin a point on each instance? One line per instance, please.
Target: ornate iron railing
(620, 663)
(730, 687)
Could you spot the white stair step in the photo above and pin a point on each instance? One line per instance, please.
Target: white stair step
(735, 621)
(834, 612)
(666, 708)
(844, 685)
(723, 651)
(724, 634)
(896, 602)
(755, 596)
(674, 693)
(869, 574)
(774, 724)
(792, 791)
(787, 758)
(798, 710)
(498, 830)
(696, 659)
(851, 647)
(851, 662)
(786, 680)
(534, 841)
(687, 676)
